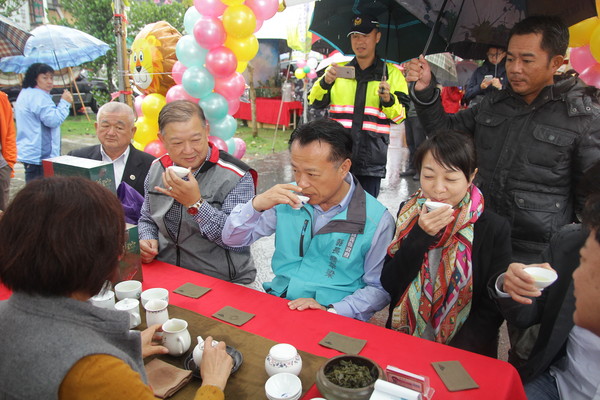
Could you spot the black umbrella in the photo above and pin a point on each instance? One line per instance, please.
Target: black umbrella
(403, 35)
(471, 26)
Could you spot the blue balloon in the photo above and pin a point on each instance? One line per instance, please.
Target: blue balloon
(189, 52)
(231, 146)
(198, 82)
(189, 20)
(215, 107)
(225, 128)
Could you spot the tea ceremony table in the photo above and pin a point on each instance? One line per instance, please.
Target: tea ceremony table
(267, 111)
(304, 329)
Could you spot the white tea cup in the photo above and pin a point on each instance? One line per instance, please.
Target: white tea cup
(179, 171)
(283, 357)
(131, 306)
(176, 337)
(128, 290)
(104, 299)
(154, 294)
(156, 312)
(542, 277)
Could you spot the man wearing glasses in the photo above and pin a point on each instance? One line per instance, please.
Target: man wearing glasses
(489, 77)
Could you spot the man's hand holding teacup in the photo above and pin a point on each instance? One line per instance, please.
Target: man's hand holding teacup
(519, 284)
(185, 192)
(278, 194)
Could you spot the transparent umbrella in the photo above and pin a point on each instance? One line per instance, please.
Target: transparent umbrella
(57, 46)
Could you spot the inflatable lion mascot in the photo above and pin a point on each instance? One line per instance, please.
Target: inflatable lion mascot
(152, 57)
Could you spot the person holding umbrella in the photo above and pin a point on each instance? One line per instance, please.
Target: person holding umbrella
(39, 119)
(365, 101)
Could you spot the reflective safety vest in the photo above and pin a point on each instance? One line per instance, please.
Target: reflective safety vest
(356, 105)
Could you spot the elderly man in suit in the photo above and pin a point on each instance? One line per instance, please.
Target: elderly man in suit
(115, 129)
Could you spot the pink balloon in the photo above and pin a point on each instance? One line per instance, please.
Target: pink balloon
(209, 32)
(217, 141)
(312, 74)
(210, 8)
(234, 105)
(582, 58)
(240, 147)
(263, 9)
(177, 92)
(156, 148)
(221, 62)
(231, 87)
(177, 72)
(137, 103)
(301, 63)
(591, 75)
(259, 24)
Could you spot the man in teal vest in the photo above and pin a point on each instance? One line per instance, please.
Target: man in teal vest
(329, 248)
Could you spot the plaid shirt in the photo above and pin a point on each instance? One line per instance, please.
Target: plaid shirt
(210, 220)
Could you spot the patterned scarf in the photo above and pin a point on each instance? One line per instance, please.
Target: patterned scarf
(445, 303)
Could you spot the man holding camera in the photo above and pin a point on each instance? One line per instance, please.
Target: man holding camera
(364, 97)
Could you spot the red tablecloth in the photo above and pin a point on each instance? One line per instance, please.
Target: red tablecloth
(304, 329)
(267, 111)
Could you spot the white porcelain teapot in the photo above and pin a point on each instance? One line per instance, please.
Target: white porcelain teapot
(199, 350)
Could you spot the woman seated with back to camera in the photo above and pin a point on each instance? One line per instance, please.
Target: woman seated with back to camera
(60, 240)
(440, 261)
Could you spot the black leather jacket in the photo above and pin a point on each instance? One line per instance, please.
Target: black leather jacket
(531, 156)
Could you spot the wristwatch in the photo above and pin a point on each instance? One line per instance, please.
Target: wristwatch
(331, 309)
(194, 208)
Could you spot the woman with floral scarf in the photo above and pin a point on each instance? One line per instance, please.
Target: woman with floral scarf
(440, 260)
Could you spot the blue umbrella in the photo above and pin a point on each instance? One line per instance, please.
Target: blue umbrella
(57, 46)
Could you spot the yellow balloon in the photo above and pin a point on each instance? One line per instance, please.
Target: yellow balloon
(241, 66)
(232, 2)
(580, 33)
(299, 73)
(152, 104)
(595, 43)
(137, 145)
(239, 21)
(147, 130)
(244, 49)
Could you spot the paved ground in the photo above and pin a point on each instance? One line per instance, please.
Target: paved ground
(275, 169)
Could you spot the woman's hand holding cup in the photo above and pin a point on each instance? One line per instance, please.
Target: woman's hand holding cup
(435, 220)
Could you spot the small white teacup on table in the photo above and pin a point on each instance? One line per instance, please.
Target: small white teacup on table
(156, 312)
(128, 290)
(104, 299)
(131, 306)
(154, 294)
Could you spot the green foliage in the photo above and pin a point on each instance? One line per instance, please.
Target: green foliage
(8, 7)
(102, 97)
(144, 12)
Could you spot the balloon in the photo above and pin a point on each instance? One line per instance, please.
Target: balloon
(259, 24)
(301, 63)
(240, 147)
(177, 72)
(224, 128)
(263, 9)
(146, 132)
(137, 145)
(231, 87)
(595, 43)
(241, 66)
(591, 75)
(312, 63)
(299, 73)
(579, 34)
(232, 2)
(239, 21)
(189, 52)
(312, 74)
(152, 105)
(234, 105)
(581, 58)
(221, 62)
(137, 103)
(215, 107)
(217, 141)
(156, 148)
(210, 8)
(230, 146)
(178, 92)
(198, 82)
(306, 69)
(244, 49)
(209, 32)
(189, 20)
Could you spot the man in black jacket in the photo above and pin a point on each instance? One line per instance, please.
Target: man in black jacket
(115, 127)
(534, 140)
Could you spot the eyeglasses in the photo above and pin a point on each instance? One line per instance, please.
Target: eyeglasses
(495, 55)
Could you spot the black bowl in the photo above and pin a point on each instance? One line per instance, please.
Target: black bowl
(332, 391)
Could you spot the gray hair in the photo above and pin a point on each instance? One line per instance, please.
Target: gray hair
(116, 107)
(179, 111)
